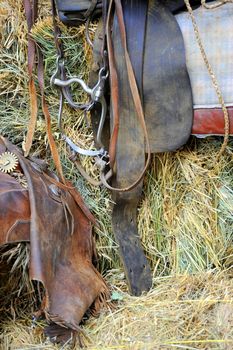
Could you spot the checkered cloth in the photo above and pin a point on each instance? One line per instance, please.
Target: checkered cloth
(216, 29)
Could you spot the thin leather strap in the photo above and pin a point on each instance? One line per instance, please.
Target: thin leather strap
(45, 109)
(31, 11)
(56, 29)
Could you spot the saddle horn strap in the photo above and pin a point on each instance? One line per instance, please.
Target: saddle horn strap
(31, 12)
(115, 95)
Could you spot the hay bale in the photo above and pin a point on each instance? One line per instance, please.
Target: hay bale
(185, 220)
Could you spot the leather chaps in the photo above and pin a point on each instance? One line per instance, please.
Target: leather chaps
(58, 225)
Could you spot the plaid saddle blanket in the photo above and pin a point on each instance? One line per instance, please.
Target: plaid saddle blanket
(216, 31)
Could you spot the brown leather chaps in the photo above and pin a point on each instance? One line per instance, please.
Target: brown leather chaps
(56, 222)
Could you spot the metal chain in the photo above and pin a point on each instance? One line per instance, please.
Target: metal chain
(215, 5)
(212, 75)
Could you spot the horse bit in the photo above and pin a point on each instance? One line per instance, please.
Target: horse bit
(96, 96)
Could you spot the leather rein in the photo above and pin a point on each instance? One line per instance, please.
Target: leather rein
(105, 159)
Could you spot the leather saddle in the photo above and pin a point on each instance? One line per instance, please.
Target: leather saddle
(156, 49)
(157, 53)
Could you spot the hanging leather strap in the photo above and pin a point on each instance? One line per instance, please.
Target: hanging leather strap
(52, 144)
(113, 88)
(115, 94)
(31, 11)
(56, 30)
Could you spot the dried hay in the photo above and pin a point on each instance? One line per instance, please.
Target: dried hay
(185, 221)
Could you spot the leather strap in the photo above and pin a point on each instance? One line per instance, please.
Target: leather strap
(57, 31)
(52, 144)
(113, 88)
(107, 19)
(31, 11)
(31, 16)
(115, 95)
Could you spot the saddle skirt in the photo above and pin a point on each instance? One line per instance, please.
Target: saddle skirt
(216, 31)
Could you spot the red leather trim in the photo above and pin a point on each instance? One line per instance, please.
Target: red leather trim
(210, 121)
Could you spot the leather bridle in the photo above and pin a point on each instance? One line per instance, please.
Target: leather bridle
(105, 160)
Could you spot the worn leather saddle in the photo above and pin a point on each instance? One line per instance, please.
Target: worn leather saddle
(157, 53)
